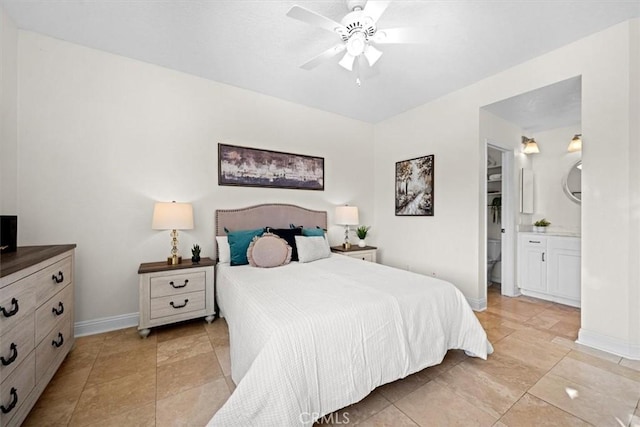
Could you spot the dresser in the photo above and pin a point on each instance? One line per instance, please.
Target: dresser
(365, 253)
(36, 324)
(172, 293)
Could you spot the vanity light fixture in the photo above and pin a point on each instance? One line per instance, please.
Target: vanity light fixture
(530, 146)
(575, 144)
(173, 216)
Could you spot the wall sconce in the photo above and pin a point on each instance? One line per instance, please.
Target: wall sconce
(346, 215)
(530, 146)
(575, 144)
(173, 216)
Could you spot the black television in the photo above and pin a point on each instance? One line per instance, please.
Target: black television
(8, 233)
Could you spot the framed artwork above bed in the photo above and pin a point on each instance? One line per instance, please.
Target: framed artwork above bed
(414, 186)
(253, 167)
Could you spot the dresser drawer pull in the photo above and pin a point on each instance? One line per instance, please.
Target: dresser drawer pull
(179, 286)
(12, 358)
(14, 401)
(179, 306)
(60, 341)
(58, 311)
(59, 278)
(14, 309)
(534, 241)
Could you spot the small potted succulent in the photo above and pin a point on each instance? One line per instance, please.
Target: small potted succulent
(541, 225)
(195, 254)
(362, 234)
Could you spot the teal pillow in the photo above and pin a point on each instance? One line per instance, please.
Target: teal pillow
(239, 242)
(313, 232)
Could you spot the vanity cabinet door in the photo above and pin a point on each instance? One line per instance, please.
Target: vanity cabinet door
(564, 268)
(533, 263)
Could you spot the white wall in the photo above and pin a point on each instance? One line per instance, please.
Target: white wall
(102, 137)
(550, 166)
(452, 242)
(8, 115)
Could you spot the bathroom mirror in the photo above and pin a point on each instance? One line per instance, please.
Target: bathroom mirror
(572, 182)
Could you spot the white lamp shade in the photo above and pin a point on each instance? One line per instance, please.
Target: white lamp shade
(347, 215)
(172, 216)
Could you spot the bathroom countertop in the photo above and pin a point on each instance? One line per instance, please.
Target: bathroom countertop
(553, 233)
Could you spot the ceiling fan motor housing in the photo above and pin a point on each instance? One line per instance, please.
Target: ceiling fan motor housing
(357, 22)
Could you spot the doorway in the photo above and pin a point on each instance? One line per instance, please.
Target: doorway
(500, 232)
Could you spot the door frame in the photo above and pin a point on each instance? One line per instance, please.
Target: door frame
(509, 212)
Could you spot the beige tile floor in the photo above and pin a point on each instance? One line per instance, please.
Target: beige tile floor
(179, 376)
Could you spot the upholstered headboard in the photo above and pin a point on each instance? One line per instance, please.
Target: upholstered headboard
(276, 215)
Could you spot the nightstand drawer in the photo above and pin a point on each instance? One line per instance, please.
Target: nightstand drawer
(177, 304)
(365, 256)
(175, 284)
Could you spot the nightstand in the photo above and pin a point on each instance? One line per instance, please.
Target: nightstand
(367, 253)
(172, 293)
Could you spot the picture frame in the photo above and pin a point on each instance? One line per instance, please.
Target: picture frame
(254, 167)
(415, 186)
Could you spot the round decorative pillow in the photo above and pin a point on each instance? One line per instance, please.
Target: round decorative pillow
(268, 251)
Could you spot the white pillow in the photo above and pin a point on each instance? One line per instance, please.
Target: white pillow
(224, 251)
(312, 248)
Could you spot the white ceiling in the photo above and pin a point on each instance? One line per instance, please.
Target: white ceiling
(252, 44)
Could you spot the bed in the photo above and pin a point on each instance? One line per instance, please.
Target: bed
(307, 339)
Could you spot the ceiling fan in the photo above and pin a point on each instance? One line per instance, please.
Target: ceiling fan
(358, 31)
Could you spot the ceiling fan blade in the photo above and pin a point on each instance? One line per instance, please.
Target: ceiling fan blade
(399, 35)
(327, 54)
(313, 18)
(372, 54)
(347, 61)
(375, 8)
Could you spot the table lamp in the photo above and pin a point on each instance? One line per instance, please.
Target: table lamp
(347, 216)
(173, 216)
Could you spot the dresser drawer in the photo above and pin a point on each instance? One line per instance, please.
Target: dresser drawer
(177, 304)
(17, 301)
(55, 343)
(52, 279)
(53, 310)
(15, 346)
(175, 284)
(365, 256)
(16, 388)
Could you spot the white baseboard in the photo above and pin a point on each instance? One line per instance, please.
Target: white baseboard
(105, 324)
(477, 304)
(609, 344)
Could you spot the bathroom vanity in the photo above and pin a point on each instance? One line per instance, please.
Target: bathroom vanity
(549, 267)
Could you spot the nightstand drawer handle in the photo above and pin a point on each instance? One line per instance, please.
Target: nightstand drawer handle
(14, 401)
(14, 309)
(58, 311)
(179, 286)
(179, 306)
(12, 358)
(59, 278)
(58, 344)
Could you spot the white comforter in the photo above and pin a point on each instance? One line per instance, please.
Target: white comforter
(308, 339)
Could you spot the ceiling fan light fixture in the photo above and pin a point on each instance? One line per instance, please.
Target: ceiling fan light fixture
(347, 61)
(372, 54)
(356, 44)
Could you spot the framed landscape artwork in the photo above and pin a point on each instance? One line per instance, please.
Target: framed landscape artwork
(414, 187)
(252, 167)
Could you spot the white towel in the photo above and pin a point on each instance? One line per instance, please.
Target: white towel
(495, 177)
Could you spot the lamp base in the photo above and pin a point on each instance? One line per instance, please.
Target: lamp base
(174, 260)
(346, 245)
